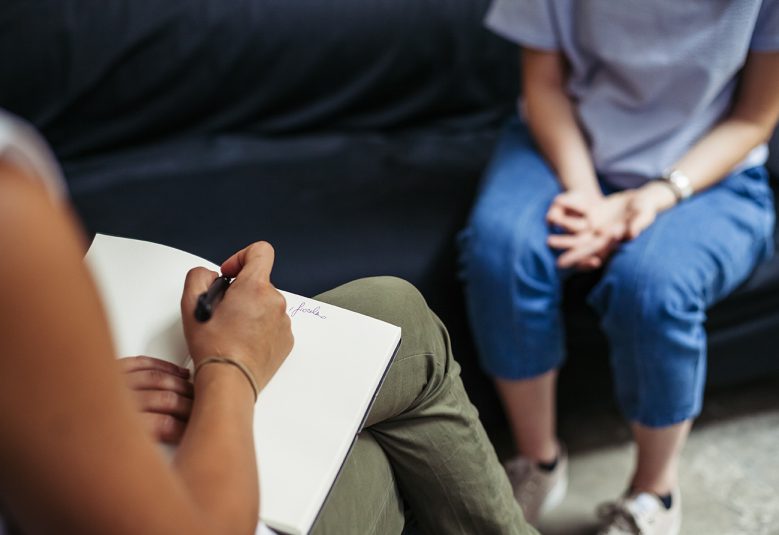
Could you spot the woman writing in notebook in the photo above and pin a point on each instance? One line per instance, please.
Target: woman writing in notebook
(76, 455)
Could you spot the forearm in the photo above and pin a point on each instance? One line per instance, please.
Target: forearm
(216, 457)
(552, 120)
(710, 160)
(105, 474)
(706, 163)
(715, 156)
(750, 123)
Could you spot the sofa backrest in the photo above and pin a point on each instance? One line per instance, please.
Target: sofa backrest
(98, 76)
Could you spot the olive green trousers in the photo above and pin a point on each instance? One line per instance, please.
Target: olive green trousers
(423, 451)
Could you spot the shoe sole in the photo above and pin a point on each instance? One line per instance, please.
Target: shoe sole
(676, 528)
(555, 498)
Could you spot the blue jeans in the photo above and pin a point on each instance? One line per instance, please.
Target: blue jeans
(652, 296)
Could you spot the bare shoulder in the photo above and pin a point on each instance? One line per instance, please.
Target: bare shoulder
(59, 388)
(28, 208)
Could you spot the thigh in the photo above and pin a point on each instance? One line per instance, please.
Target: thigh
(511, 281)
(516, 189)
(704, 247)
(654, 293)
(365, 498)
(397, 302)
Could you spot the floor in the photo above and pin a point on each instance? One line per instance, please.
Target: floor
(729, 473)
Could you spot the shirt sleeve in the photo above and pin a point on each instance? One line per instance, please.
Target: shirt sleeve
(25, 148)
(766, 34)
(525, 22)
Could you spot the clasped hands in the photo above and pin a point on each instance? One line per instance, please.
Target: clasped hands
(593, 225)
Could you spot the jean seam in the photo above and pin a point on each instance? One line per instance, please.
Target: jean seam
(642, 288)
(529, 215)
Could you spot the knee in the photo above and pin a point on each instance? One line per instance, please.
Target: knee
(387, 298)
(487, 231)
(654, 293)
(400, 303)
(505, 247)
(392, 294)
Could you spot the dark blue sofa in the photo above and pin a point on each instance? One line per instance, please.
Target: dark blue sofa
(350, 134)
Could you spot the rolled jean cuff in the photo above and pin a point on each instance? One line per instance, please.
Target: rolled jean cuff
(656, 419)
(515, 367)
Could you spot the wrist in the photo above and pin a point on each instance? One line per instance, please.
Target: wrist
(593, 193)
(660, 195)
(678, 182)
(224, 373)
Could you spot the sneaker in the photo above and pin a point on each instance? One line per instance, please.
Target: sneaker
(641, 514)
(537, 490)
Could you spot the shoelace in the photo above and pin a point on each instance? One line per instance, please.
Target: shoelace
(616, 516)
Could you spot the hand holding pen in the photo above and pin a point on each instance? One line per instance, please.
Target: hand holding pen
(208, 299)
(246, 318)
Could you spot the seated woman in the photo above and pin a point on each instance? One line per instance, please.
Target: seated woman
(640, 152)
(76, 454)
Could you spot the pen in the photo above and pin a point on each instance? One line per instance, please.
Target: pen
(208, 299)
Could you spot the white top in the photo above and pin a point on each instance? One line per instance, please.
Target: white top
(23, 146)
(648, 78)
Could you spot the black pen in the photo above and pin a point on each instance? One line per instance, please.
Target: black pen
(208, 299)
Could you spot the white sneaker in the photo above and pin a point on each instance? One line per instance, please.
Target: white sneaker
(537, 490)
(641, 514)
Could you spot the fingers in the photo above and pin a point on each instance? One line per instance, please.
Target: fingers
(257, 258)
(584, 249)
(164, 402)
(568, 241)
(574, 202)
(589, 264)
(162, 393)
(133, 364)
(198, 280)
(159, 380)
(558, 216)
(164, 428)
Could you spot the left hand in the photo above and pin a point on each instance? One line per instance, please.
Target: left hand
(586, 250)
(618, 217)
(594, 224)
(163, 395)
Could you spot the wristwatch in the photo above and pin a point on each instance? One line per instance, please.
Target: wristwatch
(679, 183)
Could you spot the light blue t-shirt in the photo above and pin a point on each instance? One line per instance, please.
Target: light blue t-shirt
(648, 78)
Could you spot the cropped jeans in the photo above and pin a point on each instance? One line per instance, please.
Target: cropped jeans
(651, 298)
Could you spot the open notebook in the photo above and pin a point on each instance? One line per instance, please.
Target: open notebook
(307, 417)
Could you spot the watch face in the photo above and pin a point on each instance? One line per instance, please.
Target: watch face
(682, 183)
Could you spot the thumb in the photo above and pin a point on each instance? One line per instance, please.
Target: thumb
(638, 222)
(573, 203)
